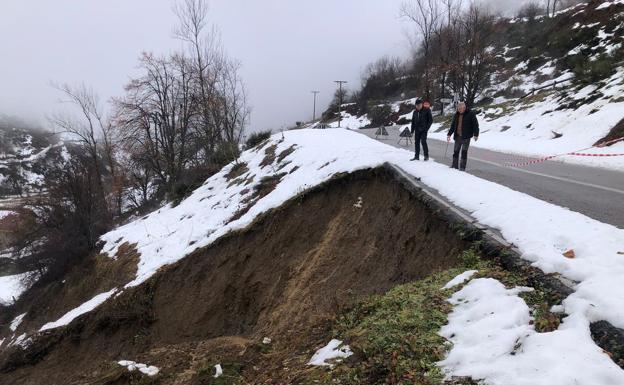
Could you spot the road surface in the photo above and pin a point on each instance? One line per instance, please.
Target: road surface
(595, 192)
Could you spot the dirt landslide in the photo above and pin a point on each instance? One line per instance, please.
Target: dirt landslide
(284, 277)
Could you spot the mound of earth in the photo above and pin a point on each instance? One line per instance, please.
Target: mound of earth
(284, 277)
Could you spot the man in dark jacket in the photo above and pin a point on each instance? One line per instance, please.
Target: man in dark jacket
(465, 126)
(421, 122)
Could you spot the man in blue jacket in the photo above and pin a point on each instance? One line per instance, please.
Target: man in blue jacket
(421, 122)
(465, 126)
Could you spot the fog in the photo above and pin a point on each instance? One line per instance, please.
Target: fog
(286, 48)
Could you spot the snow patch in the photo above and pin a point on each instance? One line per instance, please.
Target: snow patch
(494, 340)
(333, 350)
(16, 322)
(143, 368)
(80, 310)
(218, 371)
(12, 287)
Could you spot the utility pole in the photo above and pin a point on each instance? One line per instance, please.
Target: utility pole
(314, 113)
(340, 83)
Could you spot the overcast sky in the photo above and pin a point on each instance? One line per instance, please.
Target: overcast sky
(287, 48)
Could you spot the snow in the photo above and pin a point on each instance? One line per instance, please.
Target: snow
(6, 213)
(80, 310)
(494, 340)
(351, 121)
(17, 321)
(143, 368)
(607, 4)
(12, 287)
(463, 277)
(333, 350)
(22, 341)
(541, 231)
(526, 130)
(218, 371)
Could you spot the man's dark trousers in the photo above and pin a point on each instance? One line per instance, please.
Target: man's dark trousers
(421, 137)
(461, 146)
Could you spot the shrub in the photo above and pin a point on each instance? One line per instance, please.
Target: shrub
(256, 138)
(589, 71)
(380, 115)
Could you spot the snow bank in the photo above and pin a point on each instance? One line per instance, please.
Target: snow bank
(494, 340)
(351, 121)
(12, 287)
(80, 310)
(541, 231)
(333, 350)
(528, 129)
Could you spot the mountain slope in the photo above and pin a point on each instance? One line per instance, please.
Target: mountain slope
(25, 156)
(578, 59)
(188, 275)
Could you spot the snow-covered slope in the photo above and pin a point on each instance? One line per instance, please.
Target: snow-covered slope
(584, 54)
(539, 126)
(25, 157)
(285, 166)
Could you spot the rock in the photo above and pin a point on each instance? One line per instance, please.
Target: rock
(570, 254)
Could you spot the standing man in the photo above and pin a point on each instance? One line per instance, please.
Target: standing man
(465, 126)
(421, 122)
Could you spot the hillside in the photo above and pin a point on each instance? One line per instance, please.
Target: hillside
(162, 250)
(240, 275)
(578, 59)
(25, 156)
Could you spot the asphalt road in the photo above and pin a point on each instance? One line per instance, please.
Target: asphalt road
(595, 192)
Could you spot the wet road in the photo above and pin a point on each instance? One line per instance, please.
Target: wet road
(595, 192)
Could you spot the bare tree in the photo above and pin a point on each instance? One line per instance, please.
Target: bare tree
(220, 95)
(475, 54)
(157, 112)
(425, 14)
(551, 7)
(92, 130)
(186, 110)
(531, 10)
(445, 34)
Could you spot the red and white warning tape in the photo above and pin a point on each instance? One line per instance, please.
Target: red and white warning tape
(583, 154)
(575, 153)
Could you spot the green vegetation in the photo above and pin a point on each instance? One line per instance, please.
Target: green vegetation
(380, 115)
(592, 71)
(395, 335)
(256, 138)
(237, 170)
(499, 110)
(445, 121)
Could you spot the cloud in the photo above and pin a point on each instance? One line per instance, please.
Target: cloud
(506, 7)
